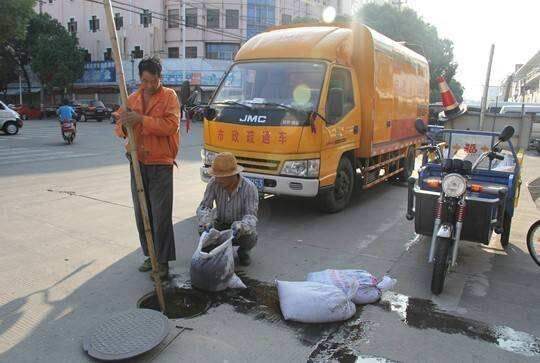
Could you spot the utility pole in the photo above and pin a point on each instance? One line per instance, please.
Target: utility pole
(41, 6)
(486, 87)
(20, 89)
(183, 40)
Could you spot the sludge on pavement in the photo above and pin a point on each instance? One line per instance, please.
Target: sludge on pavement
(340, 341)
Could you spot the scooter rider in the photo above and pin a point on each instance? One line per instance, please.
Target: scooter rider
(66, 113)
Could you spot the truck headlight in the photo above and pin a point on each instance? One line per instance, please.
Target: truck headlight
(454, 185)
(207, 156)
(302, 168)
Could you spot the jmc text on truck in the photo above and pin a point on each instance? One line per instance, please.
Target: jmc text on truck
(319, 111)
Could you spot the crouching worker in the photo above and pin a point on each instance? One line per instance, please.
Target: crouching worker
(236, 203)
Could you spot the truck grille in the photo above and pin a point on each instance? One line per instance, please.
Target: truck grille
(258, 164)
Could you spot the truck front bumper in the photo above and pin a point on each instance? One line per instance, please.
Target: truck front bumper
(277, 184)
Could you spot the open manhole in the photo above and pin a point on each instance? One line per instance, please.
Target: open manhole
(179, 303)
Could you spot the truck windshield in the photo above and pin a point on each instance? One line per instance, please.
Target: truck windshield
(275, 93)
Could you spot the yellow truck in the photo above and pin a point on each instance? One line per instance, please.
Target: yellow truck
(318, 111)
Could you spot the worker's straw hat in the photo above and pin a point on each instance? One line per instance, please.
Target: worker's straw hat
(225, 165)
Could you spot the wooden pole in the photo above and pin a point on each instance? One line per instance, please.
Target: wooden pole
(132, 147)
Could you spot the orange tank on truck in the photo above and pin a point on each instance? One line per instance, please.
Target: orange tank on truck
(317, 111)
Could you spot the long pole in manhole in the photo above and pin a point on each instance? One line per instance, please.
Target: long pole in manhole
(132, 147)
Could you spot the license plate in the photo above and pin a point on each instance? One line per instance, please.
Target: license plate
(259, 182)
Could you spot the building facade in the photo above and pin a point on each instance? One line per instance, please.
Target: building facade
(523, 85)
(208, 33)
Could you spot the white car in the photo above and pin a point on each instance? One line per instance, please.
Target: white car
(10, 121)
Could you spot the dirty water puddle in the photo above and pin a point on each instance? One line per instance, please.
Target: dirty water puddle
(337, 341)
(424, 314)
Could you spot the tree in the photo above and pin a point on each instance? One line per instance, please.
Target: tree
(14, 18)
(404, 25)
(8, 71)
(56, 57)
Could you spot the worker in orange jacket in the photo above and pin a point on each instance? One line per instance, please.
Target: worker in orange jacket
(154, 114)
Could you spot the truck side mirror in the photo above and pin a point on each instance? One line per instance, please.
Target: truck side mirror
(336, 98)
(506, 134)
(420, 126)
(209, 113)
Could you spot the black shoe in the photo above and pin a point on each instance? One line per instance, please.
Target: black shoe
(244, 259)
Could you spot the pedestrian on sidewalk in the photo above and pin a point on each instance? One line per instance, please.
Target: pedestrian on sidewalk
(237, 201)
(154, 113)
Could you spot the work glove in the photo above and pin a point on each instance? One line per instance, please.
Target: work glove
(205, 227)
(236, 228)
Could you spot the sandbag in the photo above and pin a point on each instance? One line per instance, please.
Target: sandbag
(313, 302)
(212, 264)
(368, 290)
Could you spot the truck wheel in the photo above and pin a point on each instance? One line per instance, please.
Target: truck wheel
(505, 235)
(337, 199)
(11, 128)
(440, 265)
(407, 164)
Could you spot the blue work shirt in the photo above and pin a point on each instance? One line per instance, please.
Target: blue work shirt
(66, 113)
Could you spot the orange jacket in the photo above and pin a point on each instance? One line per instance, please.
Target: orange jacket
(157, 136)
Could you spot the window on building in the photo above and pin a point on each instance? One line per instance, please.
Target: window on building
(72, 26)
(173, 18)
(94, 24)
(146, 18)
(50, 1)
(191, 17)
(137, 52)
(118, 21)
(225, 51)
(286, 19)
(260, 16)
(107, 56)
(174, 52)
(212, 18)
(87, 55)
(340, 79)
(191, 52)
(231, 19)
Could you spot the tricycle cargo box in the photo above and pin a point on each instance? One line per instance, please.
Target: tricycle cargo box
(477, 229)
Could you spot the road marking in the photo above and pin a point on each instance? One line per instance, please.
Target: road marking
(72, 156)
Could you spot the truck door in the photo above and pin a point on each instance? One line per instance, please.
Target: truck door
(342, 122)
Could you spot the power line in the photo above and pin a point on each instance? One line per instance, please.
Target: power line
(180, 22)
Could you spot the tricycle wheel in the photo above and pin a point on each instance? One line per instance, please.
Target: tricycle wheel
(440, 265)
(533, 244)
(505, 235)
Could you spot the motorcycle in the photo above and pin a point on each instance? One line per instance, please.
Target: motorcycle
(69, 130)
(465, 190)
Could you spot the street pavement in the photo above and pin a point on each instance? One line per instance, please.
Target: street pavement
(70, 256)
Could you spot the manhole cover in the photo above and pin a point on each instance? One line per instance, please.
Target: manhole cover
(534, 189)
(179, 303)
(126, 334)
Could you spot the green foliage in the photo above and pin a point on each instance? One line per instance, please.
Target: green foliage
(56, 56)
(404, 25)
(8, 70)
(14, 16)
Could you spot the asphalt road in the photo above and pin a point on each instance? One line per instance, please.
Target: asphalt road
(70, 256)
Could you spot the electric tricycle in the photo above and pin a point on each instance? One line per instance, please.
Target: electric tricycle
(465, 190)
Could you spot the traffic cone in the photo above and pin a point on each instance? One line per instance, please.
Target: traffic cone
(451, 109)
